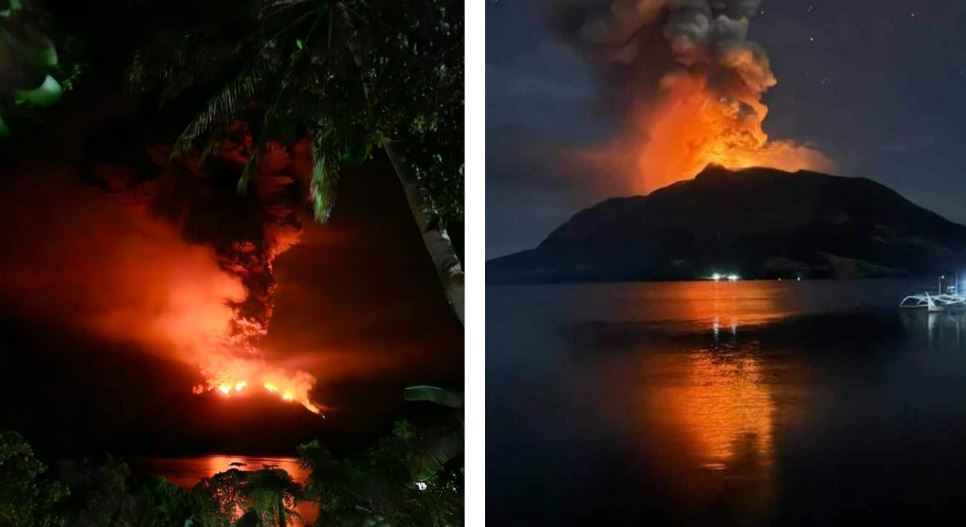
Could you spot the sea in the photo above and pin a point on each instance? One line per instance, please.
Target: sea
(723, 403)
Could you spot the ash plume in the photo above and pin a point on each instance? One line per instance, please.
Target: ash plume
(171, 258)
(685, 83)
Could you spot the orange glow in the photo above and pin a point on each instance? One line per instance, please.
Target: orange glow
(721, 403)
(208, 466)
(713, 409)
(691, 127)
(707, 111)
(723, 407)
(726, 306)
(230, 375)
(189, 312)
(718, 414)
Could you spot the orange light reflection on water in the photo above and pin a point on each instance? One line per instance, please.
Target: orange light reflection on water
(218, 463)
(721, 410)
(730, 305)
(713, 402)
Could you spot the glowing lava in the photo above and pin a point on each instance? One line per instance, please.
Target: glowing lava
(201, 311)
(232, 377)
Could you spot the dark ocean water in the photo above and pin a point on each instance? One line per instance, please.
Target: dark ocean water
(748, 403)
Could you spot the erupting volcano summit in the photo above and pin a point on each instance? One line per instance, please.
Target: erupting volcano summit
(686, 85)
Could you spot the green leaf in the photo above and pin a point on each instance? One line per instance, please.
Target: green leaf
(436, 454)
(47, 94)
(434, 395)
(221, 108)
(323, 181)
(250, 166)
(47, 56)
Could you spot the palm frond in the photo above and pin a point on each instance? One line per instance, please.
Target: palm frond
(435, 454)
(250, 167)
(435, 395)
(324, 179)
(221, 108)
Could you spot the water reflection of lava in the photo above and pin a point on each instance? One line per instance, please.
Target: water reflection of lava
(714, 401)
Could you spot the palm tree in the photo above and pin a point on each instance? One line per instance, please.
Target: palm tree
(267, 497)
(351, 77)
(273, 489)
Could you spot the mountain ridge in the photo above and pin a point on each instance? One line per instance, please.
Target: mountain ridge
(756, 222)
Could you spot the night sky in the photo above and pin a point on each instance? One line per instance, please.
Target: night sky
(875, 84)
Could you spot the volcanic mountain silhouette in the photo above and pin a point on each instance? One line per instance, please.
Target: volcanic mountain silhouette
(757, 222)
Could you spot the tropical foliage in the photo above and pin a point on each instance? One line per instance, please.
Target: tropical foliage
(349, 76)
(27, 493)
(413, 477)
(32, 73)
(107, 494)
(264, 497)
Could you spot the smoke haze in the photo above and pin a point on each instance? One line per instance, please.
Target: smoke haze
(181, 272)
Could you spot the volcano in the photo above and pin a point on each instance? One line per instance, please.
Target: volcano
(756, 222)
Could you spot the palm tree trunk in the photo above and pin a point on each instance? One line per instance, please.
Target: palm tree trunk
(449, 269)
(282, 522)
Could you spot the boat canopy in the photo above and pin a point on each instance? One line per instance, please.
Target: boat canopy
(935, 303)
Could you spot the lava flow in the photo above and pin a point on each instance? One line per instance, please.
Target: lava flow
(235, 377)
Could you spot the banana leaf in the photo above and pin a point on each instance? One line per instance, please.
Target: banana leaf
(434, 395)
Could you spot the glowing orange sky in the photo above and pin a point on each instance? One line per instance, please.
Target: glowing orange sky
(689, 128)
(89, 260)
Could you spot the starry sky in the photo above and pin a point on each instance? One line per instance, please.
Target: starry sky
(877, 85)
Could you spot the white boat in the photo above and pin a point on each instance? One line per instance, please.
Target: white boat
(935, 303)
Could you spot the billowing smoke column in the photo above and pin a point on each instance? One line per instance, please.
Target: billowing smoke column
(247, 233)
(171, 258)
(687, 83)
